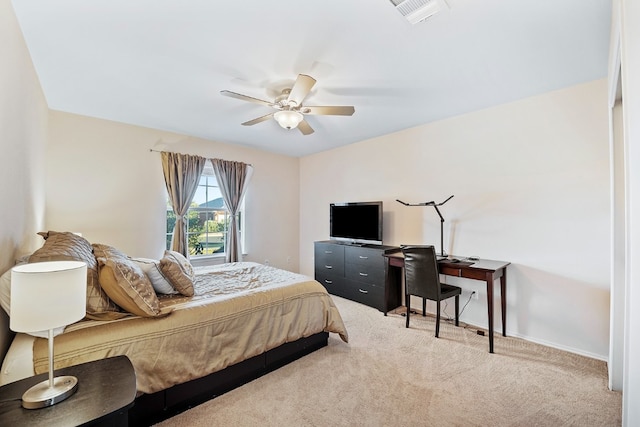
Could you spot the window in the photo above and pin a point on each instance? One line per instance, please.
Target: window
(207, 218)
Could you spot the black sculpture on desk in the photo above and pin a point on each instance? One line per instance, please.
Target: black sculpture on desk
(435, 205)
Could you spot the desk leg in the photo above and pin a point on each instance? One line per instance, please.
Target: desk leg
(503, 299)
(387, 284)
(490, 308)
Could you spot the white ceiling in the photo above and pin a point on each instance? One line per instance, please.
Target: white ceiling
(162, 63)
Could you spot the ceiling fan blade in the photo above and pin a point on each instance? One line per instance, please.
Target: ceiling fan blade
(301, 88)
(258, 120)
(305, 128)
(329, 111)
(245, 98)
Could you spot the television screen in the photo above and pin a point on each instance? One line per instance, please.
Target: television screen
(359, 222)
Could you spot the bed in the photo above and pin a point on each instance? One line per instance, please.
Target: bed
(242, 321)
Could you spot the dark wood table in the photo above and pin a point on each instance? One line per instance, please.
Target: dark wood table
(480, 269)
(106, 391)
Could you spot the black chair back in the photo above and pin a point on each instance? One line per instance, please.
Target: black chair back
(421, 275)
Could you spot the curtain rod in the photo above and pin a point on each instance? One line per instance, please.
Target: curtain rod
(160, 151)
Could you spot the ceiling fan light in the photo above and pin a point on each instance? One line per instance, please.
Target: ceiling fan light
(416, 11)
(288, 119)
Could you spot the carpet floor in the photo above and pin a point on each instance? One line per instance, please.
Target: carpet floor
(389, 375)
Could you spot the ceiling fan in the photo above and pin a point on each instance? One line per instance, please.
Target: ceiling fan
(290, 111)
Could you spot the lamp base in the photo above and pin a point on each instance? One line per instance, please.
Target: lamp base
(42, 395)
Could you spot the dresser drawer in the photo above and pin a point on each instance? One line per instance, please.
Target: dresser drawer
(334, 284)
(329, 258)
(364, 293)
(364, 257)
(364, 273)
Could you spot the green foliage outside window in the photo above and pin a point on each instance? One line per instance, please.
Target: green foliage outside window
(206, 229)
(207, 219)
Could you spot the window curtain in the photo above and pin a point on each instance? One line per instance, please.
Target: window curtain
(181, 176)
(232, 179)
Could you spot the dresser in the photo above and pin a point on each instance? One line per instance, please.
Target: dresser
(357, 272)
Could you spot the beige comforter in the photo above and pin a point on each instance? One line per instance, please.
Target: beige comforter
(239, 310)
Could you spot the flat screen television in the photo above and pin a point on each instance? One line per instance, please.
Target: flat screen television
(356, 222)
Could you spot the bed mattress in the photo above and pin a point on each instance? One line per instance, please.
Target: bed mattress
(239, 310)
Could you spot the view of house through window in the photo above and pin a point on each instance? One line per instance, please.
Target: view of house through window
(207, 218)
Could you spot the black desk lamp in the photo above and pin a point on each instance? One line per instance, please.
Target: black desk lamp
(435, 205)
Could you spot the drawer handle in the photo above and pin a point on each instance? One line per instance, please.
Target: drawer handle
(363, 257)
(328, 282)
(363, 274)
(328, 266)
(328, 252)
(362, 291)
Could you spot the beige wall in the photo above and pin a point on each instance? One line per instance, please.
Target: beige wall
(23, 135)
(23, 130)
(104, 182)
(531, 186)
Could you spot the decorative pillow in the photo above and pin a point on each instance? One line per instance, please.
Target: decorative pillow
(125, 283)
(179, 272)
(151, 268)
(66, 246)
(22, 260)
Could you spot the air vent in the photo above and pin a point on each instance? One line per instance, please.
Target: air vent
(418, 10)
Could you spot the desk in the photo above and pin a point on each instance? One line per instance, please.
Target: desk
(482, 269)
(106, 391)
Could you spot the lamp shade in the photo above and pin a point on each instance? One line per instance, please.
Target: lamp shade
(288, 119)
(47, 295)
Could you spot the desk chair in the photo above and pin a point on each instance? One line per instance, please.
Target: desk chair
(422, 279)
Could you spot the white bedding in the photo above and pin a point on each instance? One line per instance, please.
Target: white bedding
(18, 363)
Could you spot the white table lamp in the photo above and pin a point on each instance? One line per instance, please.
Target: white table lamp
(44, 296)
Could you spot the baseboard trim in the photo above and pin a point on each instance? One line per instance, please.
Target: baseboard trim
(560, 347)
(497, 331)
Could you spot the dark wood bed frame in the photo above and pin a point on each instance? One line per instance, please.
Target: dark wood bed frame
(149, 409)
